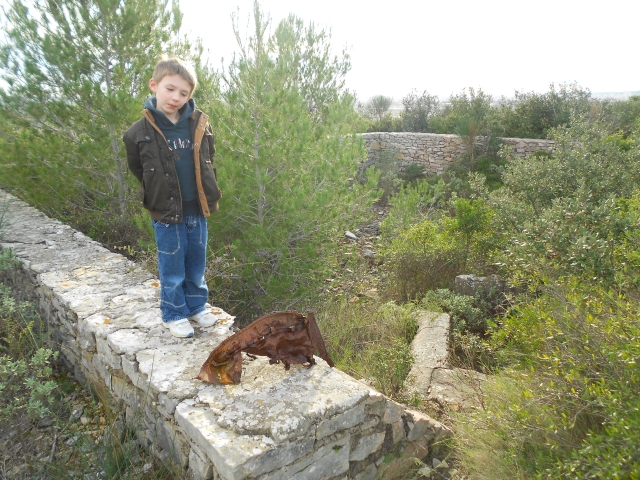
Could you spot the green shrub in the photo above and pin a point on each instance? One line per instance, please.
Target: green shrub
(491, 167)
(362, 335)
(412, 173)
(32, 375)
(422, 258)
(390, 365)
(576, 236)
(568, 407)
(465, 316)
(21, 331)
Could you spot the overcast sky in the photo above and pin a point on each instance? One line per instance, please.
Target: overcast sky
(446, 45)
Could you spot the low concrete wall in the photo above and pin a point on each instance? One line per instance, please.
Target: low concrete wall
(434, 151)
(101, 313)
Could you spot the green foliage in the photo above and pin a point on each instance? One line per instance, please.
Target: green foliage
(566, 403)
(464, 314)
(471, 117)
(412, 173)
(377, 107)
(491, 168)
(624, 116)
(412, 204)
(76, 76)
(419, 110)
(585, 157)
(574, 236)
(390, 366)
(572, 394)
(426, 248)
(20, 326)
(421, 258)
(370, 340)
(388, 123)
(33, 375)
(287, 147)
(534, 115)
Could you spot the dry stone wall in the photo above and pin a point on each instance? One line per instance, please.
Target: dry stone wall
(101, 312)
(434, 151)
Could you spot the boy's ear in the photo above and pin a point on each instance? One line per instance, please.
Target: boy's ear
(153, 85)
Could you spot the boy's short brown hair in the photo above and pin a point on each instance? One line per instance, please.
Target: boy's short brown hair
(175, 66)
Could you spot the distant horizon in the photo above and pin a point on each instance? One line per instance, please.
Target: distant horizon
(596, 95)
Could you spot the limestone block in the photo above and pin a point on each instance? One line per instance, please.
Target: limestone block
(128, 342)
(343, 421)
(369, 424)
(107, 355)
(369, 473)
(130, 369)
(101, 367)
(236, 456)
(285, 405)
(457, 387)
(365, 446)
(200, 468)
(393, 412)
(134, 397)
(397, 431)
(172, 440)
(327, 461)
(168, 403)
(417, 449)
(167, 364)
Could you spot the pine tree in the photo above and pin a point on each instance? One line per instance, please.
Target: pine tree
(77, 72)
(287, 149)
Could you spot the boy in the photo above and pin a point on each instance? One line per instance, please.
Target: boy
(170, 151)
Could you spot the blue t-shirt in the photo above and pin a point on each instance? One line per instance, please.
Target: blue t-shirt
(178, 137)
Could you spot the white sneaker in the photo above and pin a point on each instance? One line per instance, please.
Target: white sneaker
(205, 318)
(180, 328)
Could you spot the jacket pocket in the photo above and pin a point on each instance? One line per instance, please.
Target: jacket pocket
(147, 148)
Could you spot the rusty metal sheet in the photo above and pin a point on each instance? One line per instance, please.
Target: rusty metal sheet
(287, 337)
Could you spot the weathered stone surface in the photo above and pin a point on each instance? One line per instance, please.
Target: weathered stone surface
(200, 468)
(430, 348)
(456, 386)
(236, 456)
(329, 461)
(470, 284)
(365, 446)
(435, 152)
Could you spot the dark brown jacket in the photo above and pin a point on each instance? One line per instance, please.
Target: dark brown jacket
(151, 161)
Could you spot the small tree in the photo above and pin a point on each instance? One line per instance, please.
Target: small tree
(377, 107)
(418, 111)
(471, 116)
(76, 75)
(287, 147)
(533, 115)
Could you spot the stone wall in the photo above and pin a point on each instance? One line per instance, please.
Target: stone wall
(435, 151)
(101, 313)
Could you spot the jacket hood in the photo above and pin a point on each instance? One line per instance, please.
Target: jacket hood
(161, 119)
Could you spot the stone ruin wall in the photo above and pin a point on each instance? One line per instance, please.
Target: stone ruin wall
(101, 312)
(435, 151)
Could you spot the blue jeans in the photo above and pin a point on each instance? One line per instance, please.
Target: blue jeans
(182, 250)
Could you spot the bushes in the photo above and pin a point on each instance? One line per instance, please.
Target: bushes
(422, 258)
(569, 404)
(32, 375)
(430, 254)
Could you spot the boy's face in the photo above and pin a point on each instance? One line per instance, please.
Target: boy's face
(172, 92)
